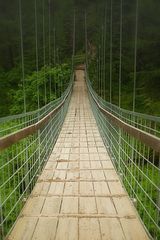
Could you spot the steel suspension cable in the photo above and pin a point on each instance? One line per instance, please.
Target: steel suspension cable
(120, 52)
(26, 180)
(54, 56)
(134, 82)
(37, 56)
(102, 59)
(111, 47)
(99, 69)
(135, 57)
(74, 36)
(49, 47)
(59, 83)
(22, 55)
(37, 73)
(86, 40)
(44, 53)
(104, 70)
(120, 81)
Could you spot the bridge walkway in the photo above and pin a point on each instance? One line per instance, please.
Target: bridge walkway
(79, 195)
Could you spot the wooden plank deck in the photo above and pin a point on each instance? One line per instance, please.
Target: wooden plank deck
(79, 195)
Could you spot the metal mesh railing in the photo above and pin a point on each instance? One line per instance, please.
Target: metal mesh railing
(23, 161)
(147, 123)
(14, 123)
(137, 163)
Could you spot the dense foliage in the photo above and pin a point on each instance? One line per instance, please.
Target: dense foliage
(148, 44)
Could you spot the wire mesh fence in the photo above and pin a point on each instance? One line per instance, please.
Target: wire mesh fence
(137, 164)
(22, 163)
(14, 123)
(147, 123)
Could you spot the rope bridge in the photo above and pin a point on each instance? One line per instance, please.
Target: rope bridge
(29, 145)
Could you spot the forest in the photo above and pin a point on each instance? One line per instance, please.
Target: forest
(54, 30)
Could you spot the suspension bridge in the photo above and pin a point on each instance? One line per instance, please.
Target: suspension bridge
(80, 167)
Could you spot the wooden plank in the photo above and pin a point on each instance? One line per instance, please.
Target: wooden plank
(133, 229)
(101, 188)
(87, 205)
(84, 157)
(89, 229)
(73, 165)
(85, 175)
(54, 157)
(123, 206)
(69, 205)
(56, 188)
(116, 188)
(104, 157)
(86, 188)
(67, 229)
(95, 156)
(107, 164)
(96, 165)
(111, 229)
(98, 175)
(59, 175)
(41, 188)
(46, 175)
(51, 206)
(111, 175)
(23, 229)
(45, 229)
(72, 175)
(74, 157)
(71, 188)
(62, 165)
(50, 165)
(105, 206)
(84, 164)
(33, 206)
